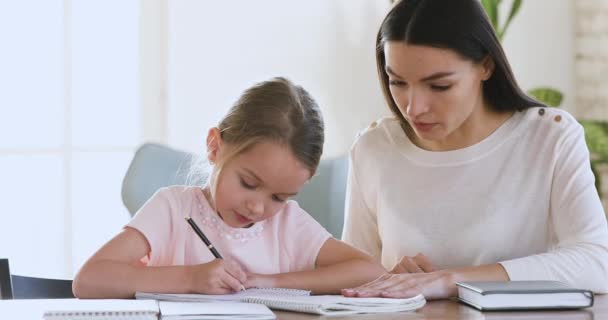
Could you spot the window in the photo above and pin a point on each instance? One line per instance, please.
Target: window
(70, 119)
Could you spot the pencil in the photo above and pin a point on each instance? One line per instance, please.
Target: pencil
(208, 243)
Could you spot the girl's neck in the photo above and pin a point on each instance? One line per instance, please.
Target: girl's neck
(207, 193)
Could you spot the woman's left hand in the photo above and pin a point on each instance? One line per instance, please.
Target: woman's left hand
(433, 285)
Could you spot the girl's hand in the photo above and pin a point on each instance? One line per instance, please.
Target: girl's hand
(256, 280)
(416, 264)
(217, 277)
(433, 285)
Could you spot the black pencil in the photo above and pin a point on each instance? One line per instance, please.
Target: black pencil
(208, 243)
(201, 235)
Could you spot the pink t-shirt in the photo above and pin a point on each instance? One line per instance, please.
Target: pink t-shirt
(288, 241)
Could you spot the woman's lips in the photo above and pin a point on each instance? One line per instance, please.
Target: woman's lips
(422, 126)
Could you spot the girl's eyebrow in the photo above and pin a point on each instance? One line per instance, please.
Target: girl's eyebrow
(261, 181)
(253, 174)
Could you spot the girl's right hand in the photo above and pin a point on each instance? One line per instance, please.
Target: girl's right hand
(217, 277)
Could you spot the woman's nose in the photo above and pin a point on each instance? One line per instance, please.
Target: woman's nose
(416, 105)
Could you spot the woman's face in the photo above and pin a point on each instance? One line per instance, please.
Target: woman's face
(438, 92)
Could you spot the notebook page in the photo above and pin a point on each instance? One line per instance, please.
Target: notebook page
(102, 308)
(339, 305)
(238, 296)
(217, 310)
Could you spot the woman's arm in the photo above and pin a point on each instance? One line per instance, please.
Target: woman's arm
(116, 271)
(338, 266)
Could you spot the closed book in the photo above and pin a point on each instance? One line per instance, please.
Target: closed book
(523, 295)
(102, 309)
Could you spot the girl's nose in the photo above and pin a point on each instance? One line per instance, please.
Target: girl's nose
(256, 208)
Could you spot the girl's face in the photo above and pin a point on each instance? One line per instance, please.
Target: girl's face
(255, 184)
(438, 92)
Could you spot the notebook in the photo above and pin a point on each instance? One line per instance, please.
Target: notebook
(218, 310)
(302, 301)
(239, 296)
(102, 309)
(523, 295)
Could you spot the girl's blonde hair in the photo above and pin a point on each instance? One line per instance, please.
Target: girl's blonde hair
(274, 111)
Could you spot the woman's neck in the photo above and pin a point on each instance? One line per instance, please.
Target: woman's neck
(473, 130)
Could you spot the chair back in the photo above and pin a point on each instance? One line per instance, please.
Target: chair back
(22, 287)
(155, 166)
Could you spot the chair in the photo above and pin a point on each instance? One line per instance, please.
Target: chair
(155, 166)
(22, 287)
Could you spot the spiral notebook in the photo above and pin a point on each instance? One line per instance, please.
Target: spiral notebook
(301, 301)
(102, 309)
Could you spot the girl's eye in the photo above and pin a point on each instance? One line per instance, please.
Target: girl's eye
(277, 199)
(246, 185)
(440, 88)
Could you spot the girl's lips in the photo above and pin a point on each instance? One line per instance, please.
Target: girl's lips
(242, 218)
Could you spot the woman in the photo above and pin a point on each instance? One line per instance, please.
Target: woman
(471, 179)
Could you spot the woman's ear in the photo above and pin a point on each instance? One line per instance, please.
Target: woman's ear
(487, 68)
(214, 144)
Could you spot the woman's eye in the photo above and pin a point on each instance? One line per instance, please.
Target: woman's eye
(246, 185)
(396, 83)
(440, 88)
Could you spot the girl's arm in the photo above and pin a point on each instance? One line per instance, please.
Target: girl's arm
(338, 266)
(116, 271)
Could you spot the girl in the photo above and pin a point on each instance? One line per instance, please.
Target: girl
(263, 151)
(485, 182)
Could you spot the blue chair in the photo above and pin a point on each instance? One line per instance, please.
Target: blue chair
(155, 166)
(22, 287)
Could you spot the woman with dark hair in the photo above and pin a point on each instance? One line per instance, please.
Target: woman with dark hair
(470, 179)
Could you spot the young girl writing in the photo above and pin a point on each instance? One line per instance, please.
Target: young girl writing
(263, 151)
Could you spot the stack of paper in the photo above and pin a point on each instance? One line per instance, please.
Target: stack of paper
(218, 311)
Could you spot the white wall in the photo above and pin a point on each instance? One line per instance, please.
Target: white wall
(540, 46)
(219, 48)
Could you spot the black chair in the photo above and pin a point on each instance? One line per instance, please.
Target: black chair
(21, 287)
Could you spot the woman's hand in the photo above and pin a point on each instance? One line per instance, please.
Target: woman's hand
(433, 285)
(416, 264)
(217, 277)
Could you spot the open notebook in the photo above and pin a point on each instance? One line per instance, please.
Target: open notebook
(301, 301)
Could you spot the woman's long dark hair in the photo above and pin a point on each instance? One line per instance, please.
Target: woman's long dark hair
(458, 25)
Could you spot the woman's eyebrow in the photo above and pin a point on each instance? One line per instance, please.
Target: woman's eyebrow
(434, 76)
(437, 75)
